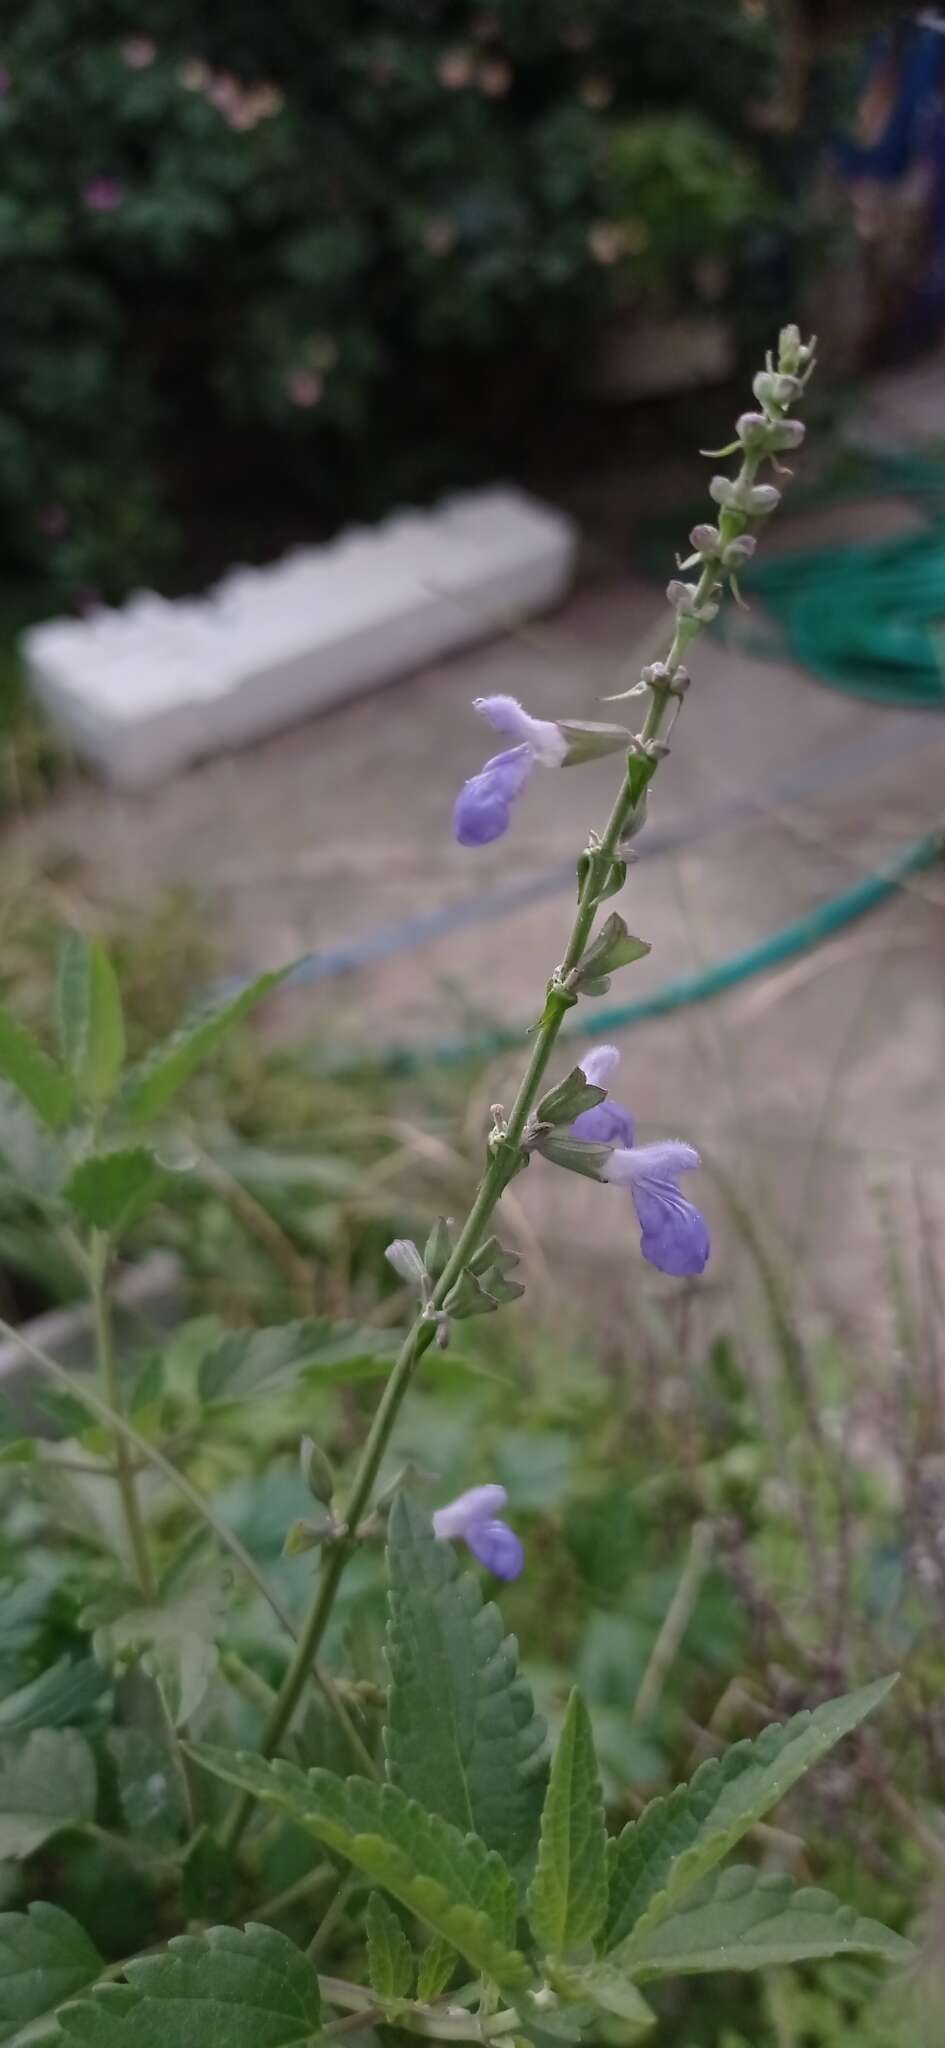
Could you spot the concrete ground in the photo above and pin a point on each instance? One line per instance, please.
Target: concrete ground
(813, 1086)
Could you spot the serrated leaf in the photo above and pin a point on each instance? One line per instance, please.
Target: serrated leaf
(47, 1783)
(153, 1084)
(91, 1022)
(737, 1920)
(435, 1968)
(462, 1733)
(41, 1081)
(567, 1899)
(677, 1840)
(45, 1958)
(113, 1189)
(390, 1956)
(605, 1987)
(249, 1988)
(177, 1641)
(454, 1884)
(61, 1695)
(272, 1361)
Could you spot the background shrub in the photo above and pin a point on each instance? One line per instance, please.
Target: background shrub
(272, 267)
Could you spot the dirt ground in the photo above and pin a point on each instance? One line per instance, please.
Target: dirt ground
(815, 1086)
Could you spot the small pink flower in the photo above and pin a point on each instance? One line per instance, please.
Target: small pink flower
(303, 387)
(138, 52)
(102, 195)
(455, 69)
(494, 78)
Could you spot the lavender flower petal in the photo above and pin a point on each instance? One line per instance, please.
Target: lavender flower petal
(505, 714)
(674, 1234)
(608, 1123)
(480, 1504)
(481, 812)
(498, 1548)
(598, 1065)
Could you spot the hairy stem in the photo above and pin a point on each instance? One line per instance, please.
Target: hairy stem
(111, 1388)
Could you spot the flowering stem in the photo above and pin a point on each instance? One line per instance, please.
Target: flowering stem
(666, 681)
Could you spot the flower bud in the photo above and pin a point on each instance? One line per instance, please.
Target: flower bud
(735, 494)
(406, 1261)
(785, 434)
(753, 430)
(794, 355)
(738, 551)
(316, 1471)
(774, 388)
(706, 540)
(683, 596)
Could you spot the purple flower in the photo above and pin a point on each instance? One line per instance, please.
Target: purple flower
(473, 1519)
(674, 1235)
(482, 806)
(102, 195)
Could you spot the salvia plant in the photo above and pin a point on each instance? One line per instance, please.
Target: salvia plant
(491, 1900)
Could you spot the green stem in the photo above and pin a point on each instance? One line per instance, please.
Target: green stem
(503, 1159)
(111, 1389)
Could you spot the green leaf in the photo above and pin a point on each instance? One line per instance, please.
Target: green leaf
(390, 1956)
(45, 1958)
(208, 1879)
(91, 1023)
(455, 1885)
(605, 1987)
(737, 1920)
(568, 1895)
(249, 1988)
(677, 1840)
(41, 1081)
(251, 1362)
(47, 1783)
(435, 1968)
(113, 1189)
(177, 1641)
(462, 1733)
(149, 1789)
(61, 1695)
(153, 1084)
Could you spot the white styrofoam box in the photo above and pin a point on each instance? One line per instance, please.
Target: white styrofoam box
(142, 690)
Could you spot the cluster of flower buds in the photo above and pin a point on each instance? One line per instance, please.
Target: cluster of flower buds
(478, 1290)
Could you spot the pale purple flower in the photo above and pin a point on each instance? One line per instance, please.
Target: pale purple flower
(473, 1519)
(674, 1235)
(482, 806)
(102, 195)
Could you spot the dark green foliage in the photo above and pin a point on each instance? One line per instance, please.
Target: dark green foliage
(279, 246)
